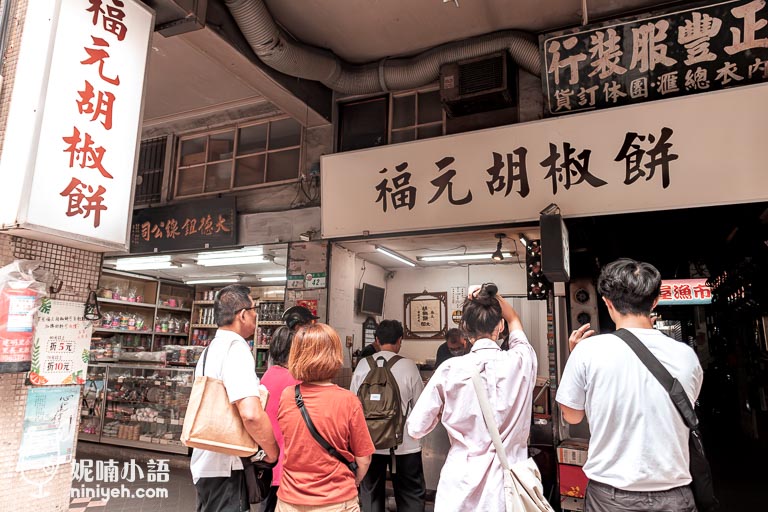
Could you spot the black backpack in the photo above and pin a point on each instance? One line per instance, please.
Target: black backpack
(380, 395)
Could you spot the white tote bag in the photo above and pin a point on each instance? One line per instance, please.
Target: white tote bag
(523, 491)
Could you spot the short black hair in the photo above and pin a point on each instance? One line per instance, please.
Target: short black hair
(229, 300)
(630, 285)
(389, 331)
(280, 345)
(482, 313)
(297, 316)
(454, 335)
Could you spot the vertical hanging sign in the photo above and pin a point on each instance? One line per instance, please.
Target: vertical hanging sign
(74, 121)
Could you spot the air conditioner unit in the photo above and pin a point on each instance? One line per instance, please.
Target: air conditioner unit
(478, 85)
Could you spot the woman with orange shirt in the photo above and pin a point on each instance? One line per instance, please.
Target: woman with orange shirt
(314, 480)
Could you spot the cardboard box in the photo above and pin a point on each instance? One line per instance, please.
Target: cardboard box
(569, 503)
(573, 481)
(573, 451)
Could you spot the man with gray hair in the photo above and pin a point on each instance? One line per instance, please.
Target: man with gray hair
(638, 449)
(219, 479)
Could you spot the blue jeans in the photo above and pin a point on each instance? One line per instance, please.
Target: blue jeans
(605, 498)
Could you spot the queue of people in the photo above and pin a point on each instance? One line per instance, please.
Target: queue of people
(347, 471)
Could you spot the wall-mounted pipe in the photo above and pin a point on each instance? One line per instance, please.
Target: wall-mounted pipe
(276, 49)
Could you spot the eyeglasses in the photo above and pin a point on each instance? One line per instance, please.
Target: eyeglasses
(246, 309)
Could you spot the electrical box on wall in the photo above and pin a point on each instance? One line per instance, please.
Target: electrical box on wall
(478, 85)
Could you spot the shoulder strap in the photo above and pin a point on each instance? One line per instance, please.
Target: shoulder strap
(490, 422)
(371, 363)
(392, 361)
(205, 357)
(670, 384)
(320, 440)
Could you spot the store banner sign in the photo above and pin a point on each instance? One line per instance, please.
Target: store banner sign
(696, 48)
(701, 150)
(48, 431)
(192, 225)
(70, 151)
(62, 342)
(677, 292)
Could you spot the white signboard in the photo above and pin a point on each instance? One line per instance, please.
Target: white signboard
(60, 352)
(71, 139)
(700, 150)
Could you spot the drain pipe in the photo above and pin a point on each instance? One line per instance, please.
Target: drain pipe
(276, 49)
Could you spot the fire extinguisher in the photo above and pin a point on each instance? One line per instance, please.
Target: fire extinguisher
(17, 307)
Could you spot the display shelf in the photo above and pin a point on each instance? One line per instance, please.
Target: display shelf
(157, 395)
(169, 308)
(205, 326)
(127, 303)
(271, 322)
(172, 448)
(204, 302)
(120, 331)
(82, 436)
(180, 334)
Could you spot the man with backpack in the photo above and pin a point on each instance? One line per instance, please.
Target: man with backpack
(388, 386)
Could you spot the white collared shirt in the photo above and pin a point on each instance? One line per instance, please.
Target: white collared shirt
(229, 359)
(472, 477)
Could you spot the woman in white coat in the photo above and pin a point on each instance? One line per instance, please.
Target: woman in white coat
(472, 478)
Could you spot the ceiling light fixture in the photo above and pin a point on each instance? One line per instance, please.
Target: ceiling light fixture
(272, 278)
(497, 255)
(461, 257)
(145, 263)
(394, 255)
(213, 280)
(245, 260)
(236, 253)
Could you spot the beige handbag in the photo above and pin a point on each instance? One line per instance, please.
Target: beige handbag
(213, 423)
(523, 491)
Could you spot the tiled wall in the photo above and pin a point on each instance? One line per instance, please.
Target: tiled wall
(76, 269)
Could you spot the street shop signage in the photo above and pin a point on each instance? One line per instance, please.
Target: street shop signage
(48, 431)
(677, 292)
(700, 150)
(201, 224)
(69, 155)
(698, 48)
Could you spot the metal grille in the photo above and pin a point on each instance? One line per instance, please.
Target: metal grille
(149, 182)
(481, 75)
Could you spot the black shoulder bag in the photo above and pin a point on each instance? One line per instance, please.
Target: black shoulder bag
(701, 474)
(321, 441)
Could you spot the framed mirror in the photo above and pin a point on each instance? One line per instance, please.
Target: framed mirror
(425, 315)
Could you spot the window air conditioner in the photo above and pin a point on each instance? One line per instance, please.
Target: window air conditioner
(478, 85)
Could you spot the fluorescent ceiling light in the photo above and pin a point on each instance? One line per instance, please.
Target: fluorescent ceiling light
(394, 255)
(237, 253)
(241, 260)
(145, 263)
(272, 278)
(213, 280)
(461, 257)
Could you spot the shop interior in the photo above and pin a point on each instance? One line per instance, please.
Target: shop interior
(156, 319)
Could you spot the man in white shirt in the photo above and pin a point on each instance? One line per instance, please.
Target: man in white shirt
(408, 477)
(638, 449)
(218, 478)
